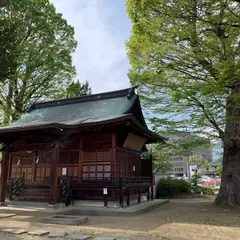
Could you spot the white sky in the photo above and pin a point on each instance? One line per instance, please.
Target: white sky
(101, 29)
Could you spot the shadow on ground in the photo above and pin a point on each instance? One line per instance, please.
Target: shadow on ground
(175, 218)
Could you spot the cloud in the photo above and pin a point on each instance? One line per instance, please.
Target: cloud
(101, 29)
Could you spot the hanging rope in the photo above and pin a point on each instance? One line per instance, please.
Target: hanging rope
(37, 156)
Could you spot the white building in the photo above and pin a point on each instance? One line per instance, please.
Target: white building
(181, 166)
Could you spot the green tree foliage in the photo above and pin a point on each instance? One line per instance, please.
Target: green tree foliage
(4, 3)
(7, 61)
(160, 156)
(185, 58)
(198, 161)
(185, 143)
(76, 89)
(36, 55)
(219, 170)
(195, 179)
(161, 161)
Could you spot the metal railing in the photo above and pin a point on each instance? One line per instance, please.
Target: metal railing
(15, 185)
(65, 191)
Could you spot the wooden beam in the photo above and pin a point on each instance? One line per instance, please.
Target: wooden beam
(24, 147)
(4, 175)
(54, 176)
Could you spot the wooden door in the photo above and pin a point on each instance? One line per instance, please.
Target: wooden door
(43, 168)
(42, 173)
(22, 165)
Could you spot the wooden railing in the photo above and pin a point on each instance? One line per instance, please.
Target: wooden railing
(113, 182)
(15, 185)
(122, 184)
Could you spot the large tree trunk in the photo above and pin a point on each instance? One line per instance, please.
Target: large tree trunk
(229, 194)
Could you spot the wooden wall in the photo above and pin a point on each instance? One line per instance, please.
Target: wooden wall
(128, 163)
(92, 155)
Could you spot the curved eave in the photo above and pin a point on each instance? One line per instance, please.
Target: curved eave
(153, 137)
(137, 102)
(148, 133)
(7, 130)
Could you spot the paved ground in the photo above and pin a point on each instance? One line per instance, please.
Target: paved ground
(182, 219)
(83, 209)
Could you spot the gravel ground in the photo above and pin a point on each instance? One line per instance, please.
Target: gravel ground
(182, 219)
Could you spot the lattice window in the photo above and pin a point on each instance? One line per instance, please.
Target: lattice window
(103, 156)
(68, 157)
(89, 157)
(74, 156)
(97, 164)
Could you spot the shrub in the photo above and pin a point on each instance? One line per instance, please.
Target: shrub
(171, 187)
(203, 190)
(195, 179)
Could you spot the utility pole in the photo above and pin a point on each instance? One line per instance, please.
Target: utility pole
(189, 170)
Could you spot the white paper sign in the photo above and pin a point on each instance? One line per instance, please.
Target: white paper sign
(105, 191)
(134, 168)
(64, 171)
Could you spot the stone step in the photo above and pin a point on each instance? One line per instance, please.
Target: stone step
(30, 191)
(33, 198)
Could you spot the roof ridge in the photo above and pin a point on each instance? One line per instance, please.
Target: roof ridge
(128, 92)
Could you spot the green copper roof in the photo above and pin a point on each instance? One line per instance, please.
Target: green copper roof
(92, 110)
(76, 111)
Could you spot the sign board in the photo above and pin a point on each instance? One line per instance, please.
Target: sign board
(105, 191)
(64, 171)
(134, 168)
(134, 142)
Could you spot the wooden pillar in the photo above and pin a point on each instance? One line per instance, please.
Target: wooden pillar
(4, 176)
(128, 196)
(10, 167)
(139, 194)
(34, 166)
(148, 194)
(113, 155)
(126, 163)
(54, 176)
(138, 159)
(152, 195)
(121, 197)
(80, 161)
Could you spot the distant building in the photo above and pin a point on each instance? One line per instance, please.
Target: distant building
(211, 170)
(181, 166)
